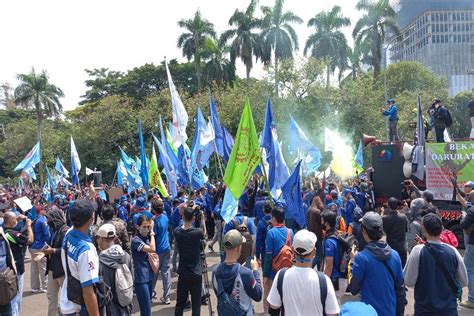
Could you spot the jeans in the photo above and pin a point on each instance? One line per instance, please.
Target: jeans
(185, 286)
(16, 302)
(38, 277)
(469, 263)
(144, 292)
(54, 286)
(175, 255)
(392, 131)
(6, 310)
(164, 269)
(439, 135)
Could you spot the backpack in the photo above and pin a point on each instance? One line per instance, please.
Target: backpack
(449, 119)
(247, 246)
(124, 285)
(345, 242)
(284, 258)
(449, 238)
(8, 278)
(323, 289)
(226, 304)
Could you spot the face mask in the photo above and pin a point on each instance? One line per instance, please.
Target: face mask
(144, 231)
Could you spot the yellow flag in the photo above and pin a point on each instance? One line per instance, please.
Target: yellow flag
(154, 178)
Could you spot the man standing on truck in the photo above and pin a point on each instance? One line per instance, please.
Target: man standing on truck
(392, 114)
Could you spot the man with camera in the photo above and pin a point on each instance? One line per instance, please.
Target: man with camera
(189, 242)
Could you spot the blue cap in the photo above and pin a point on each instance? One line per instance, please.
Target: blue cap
(470, 184)
(390, 101)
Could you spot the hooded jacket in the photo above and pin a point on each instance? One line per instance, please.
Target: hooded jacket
(414, 218)
(58, 227)
(109, 261)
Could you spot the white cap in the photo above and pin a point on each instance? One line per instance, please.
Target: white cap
(304, 242)
(106, 231)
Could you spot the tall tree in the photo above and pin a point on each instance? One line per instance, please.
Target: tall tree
(191, 41)
(371, 28)
(328, 42)
(245, 41)
(278, 34)
(37, 92)
(218, 67)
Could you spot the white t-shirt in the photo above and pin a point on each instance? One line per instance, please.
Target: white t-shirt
(301, 295)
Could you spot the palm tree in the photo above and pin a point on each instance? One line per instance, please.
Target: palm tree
(357, 56)
(35, 91)
(218, 68)
(371, 28)
(245, 41)
(278, 35)
(198, 29)
(327, 42)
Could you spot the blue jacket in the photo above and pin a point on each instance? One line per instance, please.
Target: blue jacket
(392, 113)
(262, 229)
(122, 213)
(348, 211)
(41, 232)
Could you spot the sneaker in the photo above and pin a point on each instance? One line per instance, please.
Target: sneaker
(34, 291)
(43, 291)
(165, 301)
(204, 301)
(467, 304)
(210, 248)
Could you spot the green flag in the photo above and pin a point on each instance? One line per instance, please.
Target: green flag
(245, 155)
(154, 178)
(170, 141)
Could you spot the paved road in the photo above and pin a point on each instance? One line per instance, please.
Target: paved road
(37, 304)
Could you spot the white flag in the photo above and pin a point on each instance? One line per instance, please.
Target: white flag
(180, 116)
(207, 135)
(329, 139)
(89, 171)
(75, 158)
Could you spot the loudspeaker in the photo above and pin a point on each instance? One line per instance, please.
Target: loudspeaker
(367, 139)
(97, 176)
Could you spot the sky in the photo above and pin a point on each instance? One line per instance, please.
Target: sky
(66, 37)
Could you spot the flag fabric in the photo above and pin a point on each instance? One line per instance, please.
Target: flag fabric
(59, 167)
(216, 125)
(298, 140)
(121, 172)
(203, 146)
(312, 160)
(89, 171)
(418, 157)
(180, 116)
(266, 139)
(143, 158)
(75, 163)
(169, 138)
(229, 207)
(155, 180)
(279, 171)
(245, 155)
(133, 176)
(31, 159)
(228, 143)
(51, 183)
(186, 174)
(292, 194)
(359, 158)
(29, 172)
(170, 170)
(329, 137)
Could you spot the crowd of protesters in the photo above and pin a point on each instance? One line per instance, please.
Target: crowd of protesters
(92, 256)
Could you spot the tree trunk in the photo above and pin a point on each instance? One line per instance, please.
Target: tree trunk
(248, 78)
(276, 75)
(197, 61)
(328, 70)
(38, 136)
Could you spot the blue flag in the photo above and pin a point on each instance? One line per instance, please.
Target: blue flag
(292, 195)
(133, 176)
(203, 143)
(31, 159)
(30, 172)
(51, 183)
(59, 167)
(266, 140)
(229, 206)
(75, 163)
(218, 131)
(143, 158)
(170, 170)
(120, 172)
(228, 143)
(298, 140)
(359, 158)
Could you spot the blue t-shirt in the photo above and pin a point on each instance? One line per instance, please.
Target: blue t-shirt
(331, 249)
(276, 238)
(240, 219)
(175, 218)
(262, 229)
(143, 271)
(161, 234)
(378, 288)
(41, 233)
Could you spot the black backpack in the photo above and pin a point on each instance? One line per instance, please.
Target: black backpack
(345, 242)
(247, 247)
(449, 119)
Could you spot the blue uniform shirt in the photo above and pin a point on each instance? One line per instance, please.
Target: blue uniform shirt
(143, 271)
(392, 113)
(276, 238)
(331, 249)
(348, 210)
(41, 233)
(161, 234)
(262, 228)
(123, 213)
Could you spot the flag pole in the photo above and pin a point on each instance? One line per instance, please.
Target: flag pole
(265, 179)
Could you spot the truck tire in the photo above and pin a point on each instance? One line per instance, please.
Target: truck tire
(457, 230)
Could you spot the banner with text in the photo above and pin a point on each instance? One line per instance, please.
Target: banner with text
(445, 162)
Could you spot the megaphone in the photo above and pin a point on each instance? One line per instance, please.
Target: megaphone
(367, 139)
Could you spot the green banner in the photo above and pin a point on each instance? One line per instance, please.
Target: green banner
(446, 162)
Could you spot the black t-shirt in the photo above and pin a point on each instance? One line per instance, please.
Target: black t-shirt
(18, 241)
(189, 247)
(395, 226)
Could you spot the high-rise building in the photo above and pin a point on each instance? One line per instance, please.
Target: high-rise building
(440, 35)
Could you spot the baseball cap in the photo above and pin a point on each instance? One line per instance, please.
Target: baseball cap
(81, 211)
(304, 242)
(233, 239)
(470, 184)
(372, 221)
(106, 231)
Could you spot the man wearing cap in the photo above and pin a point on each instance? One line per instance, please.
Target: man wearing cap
(392, 114)
(377, 271)
(303, 288)
(112, 257)
(241, 283)
(38, 277)
(438, 116)
(440, 265)
(80, 260)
